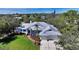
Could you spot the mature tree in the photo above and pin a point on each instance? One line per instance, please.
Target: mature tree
(70, 33)
(8, 23)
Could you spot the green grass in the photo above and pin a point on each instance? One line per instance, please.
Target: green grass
(21, 42)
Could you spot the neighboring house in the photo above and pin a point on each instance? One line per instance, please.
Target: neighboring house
(44, 30)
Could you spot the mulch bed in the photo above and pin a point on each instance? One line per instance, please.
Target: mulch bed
(34, 39)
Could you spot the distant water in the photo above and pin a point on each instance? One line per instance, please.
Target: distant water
(33, 10)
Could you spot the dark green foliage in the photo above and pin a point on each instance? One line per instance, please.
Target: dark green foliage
(8, 23)
(70, 32)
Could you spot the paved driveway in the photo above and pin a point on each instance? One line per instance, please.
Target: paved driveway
(47, 45)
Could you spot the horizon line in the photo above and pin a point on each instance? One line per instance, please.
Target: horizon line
(34, 10)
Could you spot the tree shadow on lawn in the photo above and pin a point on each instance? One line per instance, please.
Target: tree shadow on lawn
(8, 39)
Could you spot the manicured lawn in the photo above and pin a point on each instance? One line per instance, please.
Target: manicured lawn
(21, 42)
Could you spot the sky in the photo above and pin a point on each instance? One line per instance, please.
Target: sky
(34, 10)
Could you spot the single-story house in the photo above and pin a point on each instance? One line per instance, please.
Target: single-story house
(44, 30)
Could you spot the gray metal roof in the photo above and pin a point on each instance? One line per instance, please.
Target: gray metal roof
(50, 33)
(45, 27)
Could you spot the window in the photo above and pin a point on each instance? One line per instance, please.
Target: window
(24, 30)
(50, 30)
